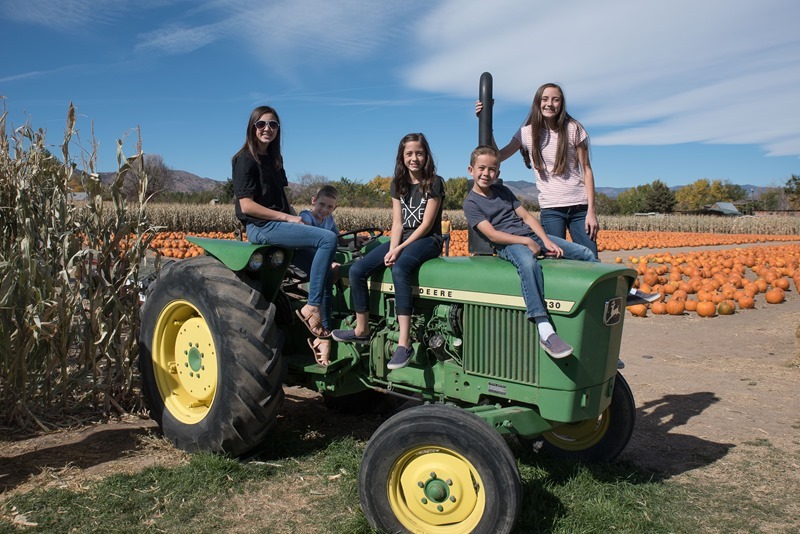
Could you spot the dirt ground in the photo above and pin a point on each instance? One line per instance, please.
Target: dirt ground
(704, 388)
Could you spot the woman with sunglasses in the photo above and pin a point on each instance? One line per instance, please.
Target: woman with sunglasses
(261, 204)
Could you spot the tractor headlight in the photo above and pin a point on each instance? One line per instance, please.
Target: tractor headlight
(256, 261)
(276, 258)
(271, 259)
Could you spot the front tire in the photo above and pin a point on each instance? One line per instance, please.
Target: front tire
(439, 469)
(209, 356)
(597, 440)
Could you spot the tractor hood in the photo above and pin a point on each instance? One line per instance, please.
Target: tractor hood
(492, 281)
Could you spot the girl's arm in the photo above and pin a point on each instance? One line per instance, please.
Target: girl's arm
(588, 181)
(510, 149)
(507, 151)
(254, 209)
(396, 233)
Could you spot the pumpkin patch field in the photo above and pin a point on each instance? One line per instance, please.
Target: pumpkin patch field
(706, 274)
(714, 367)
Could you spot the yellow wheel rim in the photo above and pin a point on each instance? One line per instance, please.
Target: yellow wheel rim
(184, 362)
(436, 490)
(580, 436)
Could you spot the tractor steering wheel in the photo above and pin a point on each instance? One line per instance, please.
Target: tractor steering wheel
(354, 242)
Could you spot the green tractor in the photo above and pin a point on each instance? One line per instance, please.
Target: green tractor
(219, 338)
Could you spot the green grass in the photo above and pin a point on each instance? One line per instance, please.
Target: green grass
(317, 492)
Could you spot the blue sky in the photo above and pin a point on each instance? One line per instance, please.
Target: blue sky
(675, 91)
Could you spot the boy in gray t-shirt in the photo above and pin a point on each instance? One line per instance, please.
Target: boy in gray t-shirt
(517, 236)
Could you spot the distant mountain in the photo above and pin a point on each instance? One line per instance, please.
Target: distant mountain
(179, 182)
(186, 182)
(527, 190)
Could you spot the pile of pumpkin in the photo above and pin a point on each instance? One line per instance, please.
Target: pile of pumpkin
(715, 282)
(707, 282)
(614, 240)
(175, 245)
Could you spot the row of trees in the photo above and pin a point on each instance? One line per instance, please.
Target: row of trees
(372, 194)
(657, 197)
(653, 197)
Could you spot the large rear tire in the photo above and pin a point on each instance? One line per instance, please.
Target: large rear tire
(439, 469)
(597, 440)
(209, 356)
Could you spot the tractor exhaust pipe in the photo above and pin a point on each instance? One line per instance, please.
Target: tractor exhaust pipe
(477, 245)
(485, 116)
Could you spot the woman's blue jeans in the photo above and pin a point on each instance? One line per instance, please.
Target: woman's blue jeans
(296, 235)
(304, 259)
(556, 221)
(409, 261)
(530, 272)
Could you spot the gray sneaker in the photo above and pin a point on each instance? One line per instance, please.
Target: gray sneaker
(640, 297)
(556, 347)
(349, 336)
(402, 355)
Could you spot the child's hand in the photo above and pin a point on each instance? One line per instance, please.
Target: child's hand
(478, 107)
(391, 257)
(534, 247)
(552, 249)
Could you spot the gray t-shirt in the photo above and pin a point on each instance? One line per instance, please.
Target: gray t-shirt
(498, 209)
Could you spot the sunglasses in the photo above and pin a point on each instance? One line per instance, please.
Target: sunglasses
(273, 125)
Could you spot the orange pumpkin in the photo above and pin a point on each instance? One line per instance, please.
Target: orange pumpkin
(782, 283)
(659, 307)
(650, 277)
(638, 310)
(690, 305)
(675, 306)
(706, 309)
(679, 294)
(747, 302)
(775, 295)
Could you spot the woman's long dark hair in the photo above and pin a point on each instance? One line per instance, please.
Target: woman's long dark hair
(251, 144)
(402, 178)
(536, 120)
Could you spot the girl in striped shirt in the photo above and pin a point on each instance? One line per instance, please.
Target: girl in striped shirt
(556, 146)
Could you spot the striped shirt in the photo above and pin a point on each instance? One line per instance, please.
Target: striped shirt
(567, 189)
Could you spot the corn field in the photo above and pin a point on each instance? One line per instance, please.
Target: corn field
(69, 272)
(68, 314)
(220, 218)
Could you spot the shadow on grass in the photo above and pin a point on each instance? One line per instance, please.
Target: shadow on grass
(308, 423)
(97, 447)
(556, 492)
(658, 445)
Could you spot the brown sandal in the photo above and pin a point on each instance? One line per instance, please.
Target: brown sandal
(321, 349)
(313, 322)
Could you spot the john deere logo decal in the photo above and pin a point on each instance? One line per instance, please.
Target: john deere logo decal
(613, 311)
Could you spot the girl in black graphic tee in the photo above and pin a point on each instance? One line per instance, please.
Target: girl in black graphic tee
(417, 199)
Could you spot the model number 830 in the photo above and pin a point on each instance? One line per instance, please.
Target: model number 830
(564, 306)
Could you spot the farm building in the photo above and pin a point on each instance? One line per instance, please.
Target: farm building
(722, 208)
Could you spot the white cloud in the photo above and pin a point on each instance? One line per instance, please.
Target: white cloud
(178, 39)
(74, 15)
(639, 72)
(287, 34)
